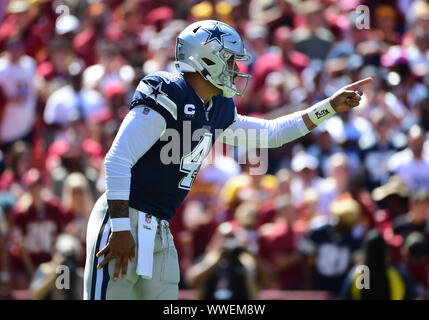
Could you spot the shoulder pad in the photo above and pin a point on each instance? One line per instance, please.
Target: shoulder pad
(160, 92)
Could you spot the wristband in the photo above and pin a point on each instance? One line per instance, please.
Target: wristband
(320, 112)
(120, 224)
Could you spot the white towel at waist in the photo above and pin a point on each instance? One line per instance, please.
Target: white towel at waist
(147, 226)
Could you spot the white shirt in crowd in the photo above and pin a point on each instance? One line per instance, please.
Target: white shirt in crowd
(414, 172)
(18, 79)
(64, 104)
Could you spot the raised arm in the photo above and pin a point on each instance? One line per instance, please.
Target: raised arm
(260, 133)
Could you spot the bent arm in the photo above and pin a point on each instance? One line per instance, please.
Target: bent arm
(137, 134)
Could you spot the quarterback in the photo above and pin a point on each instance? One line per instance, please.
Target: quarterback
(130, 250)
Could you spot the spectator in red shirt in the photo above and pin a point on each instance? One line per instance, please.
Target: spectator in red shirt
(93, 28)
(277, 244)
(285, 57)
(36, 222)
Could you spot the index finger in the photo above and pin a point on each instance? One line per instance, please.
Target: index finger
(358, 84)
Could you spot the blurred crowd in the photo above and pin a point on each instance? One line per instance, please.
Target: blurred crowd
(353, 192)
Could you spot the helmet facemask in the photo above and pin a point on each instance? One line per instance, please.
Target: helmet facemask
(229, 75)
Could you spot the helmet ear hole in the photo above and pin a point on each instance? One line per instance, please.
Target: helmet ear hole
(208, 62)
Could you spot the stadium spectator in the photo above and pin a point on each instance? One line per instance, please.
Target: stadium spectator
(415, 259)
(313, 38)
(60, 278)
(416, 220)
(392, 198)
(278, 245)
(35, 224)
(227, 271)
(322, 148)
(17, 78)
(410, 164)
(78, 199)
(72, 102)
(387, 281)
(306, 168)
(268, 209)
(329, 246)
(335, 183)
(380, 148)
(18, 161)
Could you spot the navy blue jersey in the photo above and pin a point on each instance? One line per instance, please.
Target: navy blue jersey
(163, 176)
(333, 252)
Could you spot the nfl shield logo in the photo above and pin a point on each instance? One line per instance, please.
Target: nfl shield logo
(148, 218)
(146, 110)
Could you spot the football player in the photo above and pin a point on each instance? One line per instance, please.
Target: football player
(130, 250)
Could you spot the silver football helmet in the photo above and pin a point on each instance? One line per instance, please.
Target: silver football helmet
(211, 48)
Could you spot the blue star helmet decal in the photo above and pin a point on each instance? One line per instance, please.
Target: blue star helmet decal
(216, 34)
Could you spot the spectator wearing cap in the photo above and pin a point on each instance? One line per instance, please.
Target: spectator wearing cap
(387, 281)
(35, 223)
(305, 167)
(410, 164)
(392, 197)
(392, 200)
(330, 244)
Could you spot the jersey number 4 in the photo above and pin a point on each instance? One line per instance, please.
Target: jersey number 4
(191, 163)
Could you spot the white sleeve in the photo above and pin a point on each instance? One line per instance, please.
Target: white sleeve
(260, 133)
(137, 134)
